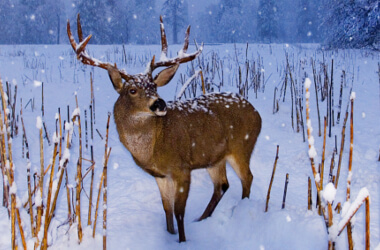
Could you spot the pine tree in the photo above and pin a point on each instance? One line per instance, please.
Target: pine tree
(175, 15)
(144, 22)
(9, 30)
(119, 15)
(95, 20)
(307, 22)
(351, 24)
(37, 23)
(268, 21)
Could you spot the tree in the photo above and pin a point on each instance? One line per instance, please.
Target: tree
(351, 24)
(118, 20)
(143, 21)
(228, 21)
(307, 19)
(9, 30)
(267, 20)
(175, 14)
(37, 23)
(95, 20)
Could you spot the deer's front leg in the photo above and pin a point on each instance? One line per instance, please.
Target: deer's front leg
(182, 186)
(166, 187)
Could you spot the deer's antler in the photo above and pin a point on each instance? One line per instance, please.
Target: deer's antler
(182, 56)
(82, 54)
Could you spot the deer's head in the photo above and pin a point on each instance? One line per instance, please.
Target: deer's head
(138, 91)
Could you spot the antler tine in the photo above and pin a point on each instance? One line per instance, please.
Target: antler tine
(79, 28)
(83, 56)
(71, 37)
(164, 42)
(186, 43)
(182, 56)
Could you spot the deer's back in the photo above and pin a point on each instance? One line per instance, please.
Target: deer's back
(200, 132)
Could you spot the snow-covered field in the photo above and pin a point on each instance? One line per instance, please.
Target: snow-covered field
(136, 219)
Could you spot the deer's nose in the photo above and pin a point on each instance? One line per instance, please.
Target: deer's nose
(159, 107)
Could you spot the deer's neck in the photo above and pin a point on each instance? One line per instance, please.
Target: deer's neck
(138, 133)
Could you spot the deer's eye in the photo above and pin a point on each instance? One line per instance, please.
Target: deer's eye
(133, 91)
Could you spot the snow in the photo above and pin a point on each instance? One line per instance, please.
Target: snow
(13, 189)
(135, 217)
(350, 211)
(353, 95)
(39, 122)
(38, 199)
(187, 83)
(37, 83)
(329, 192)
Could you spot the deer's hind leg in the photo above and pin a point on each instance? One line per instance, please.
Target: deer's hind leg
(219, 179)
(166, 187)
(240, 164)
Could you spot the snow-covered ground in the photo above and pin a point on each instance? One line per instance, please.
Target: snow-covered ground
(136, 219)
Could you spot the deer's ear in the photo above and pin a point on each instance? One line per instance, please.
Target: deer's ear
(165, 76)
(115, 77)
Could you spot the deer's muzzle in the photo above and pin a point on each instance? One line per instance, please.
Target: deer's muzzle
(159, 107)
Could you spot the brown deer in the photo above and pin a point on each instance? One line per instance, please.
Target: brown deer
(170, 140)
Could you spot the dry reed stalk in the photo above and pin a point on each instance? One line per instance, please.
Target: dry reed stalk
(13, 120)
(79, 175)
(92, 102)
(291, 86)
(85, 128)
(331, 177)
(107, 152)
(331, 244)
(348, 193)
(341, 149)
(322, 165)
(316, 95)
(203, 82)
(28, 176)
(367, 224)
(285, 190)
(61, 169)
(22, 234)
(338, 208)
(310, 139)
(69, 212)
(271, 179)
(91, 187)
(97, 205)
(331, 99)
(343, 76)
(363, 197)
(46, 132)
(11, 171)
(309, 195)
(40, 187)
(46, 226)
(301, 120)
(4, 170)
(275, 107)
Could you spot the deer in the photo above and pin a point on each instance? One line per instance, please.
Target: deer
(170, 139)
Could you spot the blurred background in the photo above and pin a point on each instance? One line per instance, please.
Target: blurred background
(332, 23)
